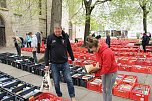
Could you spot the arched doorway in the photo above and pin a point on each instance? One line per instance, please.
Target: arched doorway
(2, 32)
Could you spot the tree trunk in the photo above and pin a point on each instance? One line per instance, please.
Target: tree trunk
(70, 29)
(87, 24)
(145, 13)
(56, 13)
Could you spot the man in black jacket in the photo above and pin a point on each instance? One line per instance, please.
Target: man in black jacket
(108, 40)
(145, 41)
(58, 45)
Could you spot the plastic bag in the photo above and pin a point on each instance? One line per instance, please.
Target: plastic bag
(46, 86)
(141, 47)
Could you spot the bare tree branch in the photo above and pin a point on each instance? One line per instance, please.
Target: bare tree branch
(150, 6)
(83, 4)
(140, 4)
(76, 13)
(98, 2)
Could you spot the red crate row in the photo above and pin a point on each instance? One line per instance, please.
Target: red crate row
(133, 54)
(124, 49)
(134, 61)
(47, 97)
(96, 83)
(125, 86)
(42, 50)
(134, 91)
(140, 92)
(135, 68)
(82, 62)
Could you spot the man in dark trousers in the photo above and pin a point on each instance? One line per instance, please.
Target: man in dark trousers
(17, 43)
(108, 40)
(38, 34)
(145, 41)
(57, 46)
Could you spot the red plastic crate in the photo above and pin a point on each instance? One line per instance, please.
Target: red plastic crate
(82, 56)
(132, 54)
(148, 62)
(118, 90)
(149, 69)
(120, 77)
(29, 49)
(94, 86)
(69, 61)
(149, 55)
(79, 62)
(139, 69)
(141, 61)
(131, 79)
(125, 68)
(76, 54)
(49, 96)
(61, 99)
(22, 49)
(117, 82)
(138, 94)
(124, 60)
(132, 61)
(119, 59)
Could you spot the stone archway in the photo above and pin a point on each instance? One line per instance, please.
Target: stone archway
(2, 32)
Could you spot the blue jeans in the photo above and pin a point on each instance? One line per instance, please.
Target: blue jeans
(108, 81)
(65, 68)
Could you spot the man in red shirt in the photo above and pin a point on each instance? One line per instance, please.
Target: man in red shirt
(107, 66)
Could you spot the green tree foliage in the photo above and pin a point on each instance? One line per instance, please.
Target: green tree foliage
(146, 6)
(89, 6)
(74, 8)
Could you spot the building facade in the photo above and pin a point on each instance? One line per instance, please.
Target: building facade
(18, 17)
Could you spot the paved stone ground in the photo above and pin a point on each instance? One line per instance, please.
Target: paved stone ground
(82, 94)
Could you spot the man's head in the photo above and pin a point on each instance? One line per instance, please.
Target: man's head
(14, 37)
(57, 30)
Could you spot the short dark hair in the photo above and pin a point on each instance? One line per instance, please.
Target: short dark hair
(57, 25)
(91, 42)
(29, 33)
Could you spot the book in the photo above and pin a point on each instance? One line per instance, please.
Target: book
(91, 68)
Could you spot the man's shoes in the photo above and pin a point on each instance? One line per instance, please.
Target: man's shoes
(73, 99)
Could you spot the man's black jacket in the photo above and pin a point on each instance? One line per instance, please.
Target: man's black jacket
(57, 48)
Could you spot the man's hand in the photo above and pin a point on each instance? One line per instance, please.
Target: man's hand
(47, 68)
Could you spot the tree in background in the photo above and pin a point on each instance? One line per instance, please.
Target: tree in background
(122, 14)
(146, 6)
(74, 8)
(56, 13)
(89, 6)
(127, 13)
